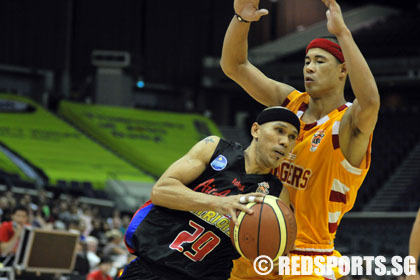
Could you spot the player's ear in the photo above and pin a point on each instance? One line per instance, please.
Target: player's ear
(255, 130)
(343, 71)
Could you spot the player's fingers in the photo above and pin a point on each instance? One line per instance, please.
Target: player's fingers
(256, 197)
(242, 207)
(232, 214)
(244, 199)
(326, 3)
(257, 194)
(262, 12)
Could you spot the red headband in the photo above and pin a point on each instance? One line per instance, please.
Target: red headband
(327, 45)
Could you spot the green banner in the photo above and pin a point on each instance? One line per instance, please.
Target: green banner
(58, 149)
(151, 140)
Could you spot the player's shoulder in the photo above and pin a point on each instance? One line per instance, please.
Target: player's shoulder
(212, 139)
(295, 97)
(205, 148)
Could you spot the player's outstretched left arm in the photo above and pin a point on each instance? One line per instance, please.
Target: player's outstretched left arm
(170, 190)
(360, 120)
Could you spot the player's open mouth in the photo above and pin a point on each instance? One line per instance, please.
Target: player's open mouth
(309, 79)
(280, 153)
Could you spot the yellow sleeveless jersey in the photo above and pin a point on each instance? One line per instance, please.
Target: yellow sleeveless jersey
(322, 184)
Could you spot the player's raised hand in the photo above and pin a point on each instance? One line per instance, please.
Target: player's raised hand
(335, 21)
(248, 9)
(228, 205)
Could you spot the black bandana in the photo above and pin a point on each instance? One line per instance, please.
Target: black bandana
(278, 113)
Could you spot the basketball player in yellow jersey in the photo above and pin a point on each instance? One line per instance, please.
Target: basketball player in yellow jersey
(332, 155)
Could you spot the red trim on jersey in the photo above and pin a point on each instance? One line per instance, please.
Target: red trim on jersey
(335, 141)
(342, 107)
(338, 197)
(303, 107)
(275, 171)
(310, 125)
(332, 227)
(286, 102)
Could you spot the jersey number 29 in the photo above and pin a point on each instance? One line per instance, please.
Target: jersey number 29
(203, 243)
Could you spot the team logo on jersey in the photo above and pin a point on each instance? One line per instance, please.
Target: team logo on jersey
(263, 187)
(219, 163)
(316, 139)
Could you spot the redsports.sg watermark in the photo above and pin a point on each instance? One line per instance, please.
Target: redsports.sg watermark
(323, 266)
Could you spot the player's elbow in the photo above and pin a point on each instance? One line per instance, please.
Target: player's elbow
(155, 195)
(373, 103)
(227, 68)
(232, 69)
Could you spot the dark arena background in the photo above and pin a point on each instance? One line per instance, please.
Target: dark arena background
(98, 98)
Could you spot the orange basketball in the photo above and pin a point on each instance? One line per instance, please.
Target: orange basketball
(270, 230)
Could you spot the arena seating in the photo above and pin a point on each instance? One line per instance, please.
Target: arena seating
(151, 140)
(8, 167)
(57, 151)
(396, 134)
(385, 235)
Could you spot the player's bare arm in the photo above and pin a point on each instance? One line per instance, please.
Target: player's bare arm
(359, 121)
(170, 190)
(235, 62)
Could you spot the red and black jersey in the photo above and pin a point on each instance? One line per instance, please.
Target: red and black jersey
(196, 245)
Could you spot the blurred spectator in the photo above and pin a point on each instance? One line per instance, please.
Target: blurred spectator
(74, 226)
(82, 264)
(100, 227)
(116, 220)
(64, 212)
(96, 228)
(92, 248)
(86, 216)
(67, 213)
(10, 231)
(11, 199)
(37, 220)
(125, 222)
(114, 248)
(102, 273)
(4, 208)
(43, 205)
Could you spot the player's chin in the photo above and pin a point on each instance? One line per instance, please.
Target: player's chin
(275, 162)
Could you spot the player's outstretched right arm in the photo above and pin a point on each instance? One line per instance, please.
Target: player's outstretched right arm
(235, 62)
(170, 190)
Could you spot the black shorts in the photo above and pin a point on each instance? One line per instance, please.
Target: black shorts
(137, 271)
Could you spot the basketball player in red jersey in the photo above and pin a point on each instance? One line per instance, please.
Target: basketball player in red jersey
(332, 155)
